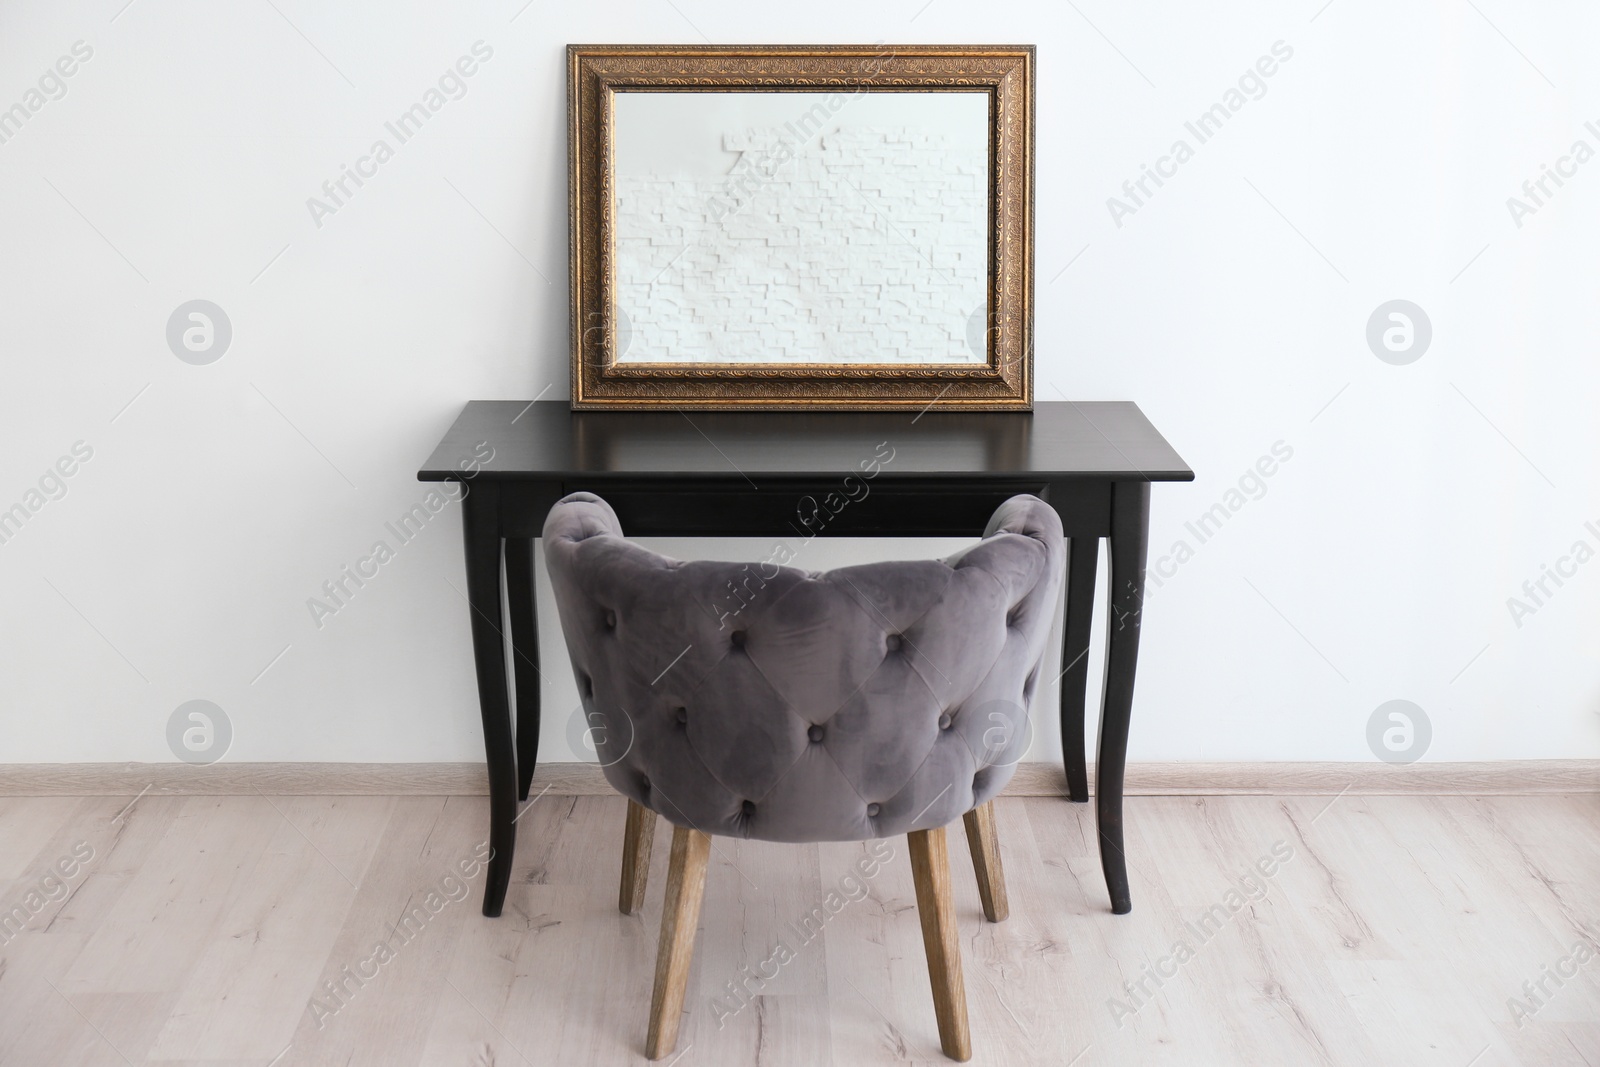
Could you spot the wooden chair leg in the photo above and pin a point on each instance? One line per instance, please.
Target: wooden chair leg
(637, 839)
(930, 870)
(680, 916)
(983, 841)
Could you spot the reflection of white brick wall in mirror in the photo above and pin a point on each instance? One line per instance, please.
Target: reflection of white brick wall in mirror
(802, 227)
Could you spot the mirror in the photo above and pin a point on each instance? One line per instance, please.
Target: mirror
(803, 226)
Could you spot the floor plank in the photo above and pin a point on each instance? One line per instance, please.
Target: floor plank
(39, 1022)
(244, 995)
(216, 931)
(373, 1000)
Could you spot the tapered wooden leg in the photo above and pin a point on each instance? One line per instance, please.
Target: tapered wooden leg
(1081, 566)
(524, 655)
(1130, 536)
(985, 847)
(680, 917)
(637, 839)
(480, 520)
(930, 870)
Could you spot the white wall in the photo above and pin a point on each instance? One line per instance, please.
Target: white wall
(861, 245)
(684, 135)
(1231, 305)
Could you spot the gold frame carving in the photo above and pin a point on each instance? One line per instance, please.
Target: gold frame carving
(1004, 382)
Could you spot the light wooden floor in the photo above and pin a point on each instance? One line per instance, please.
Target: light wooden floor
(203, 927)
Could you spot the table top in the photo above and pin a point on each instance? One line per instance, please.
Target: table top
(1057, 440)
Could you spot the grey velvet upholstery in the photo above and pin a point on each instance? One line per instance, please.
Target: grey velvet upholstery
(752, 700)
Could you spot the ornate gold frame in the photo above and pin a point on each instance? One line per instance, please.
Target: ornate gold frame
(1005, 382)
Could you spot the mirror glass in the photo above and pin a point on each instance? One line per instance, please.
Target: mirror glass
(801, 227)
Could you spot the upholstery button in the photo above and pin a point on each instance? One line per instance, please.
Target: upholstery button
(683, 716)
(737, 638)
(944, 721)
(892, 642)
(872, 810)
(815, 733)
(748, 808)
(611, 620)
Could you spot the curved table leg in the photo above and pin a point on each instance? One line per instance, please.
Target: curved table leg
(1082, 562)
(1129, 542)
(520, 593)
(480, 527)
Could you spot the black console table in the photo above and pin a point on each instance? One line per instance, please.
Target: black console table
(762, 473)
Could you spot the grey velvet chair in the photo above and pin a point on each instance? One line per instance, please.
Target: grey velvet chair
(759, 701)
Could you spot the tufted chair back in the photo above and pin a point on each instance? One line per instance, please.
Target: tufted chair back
(762, 701)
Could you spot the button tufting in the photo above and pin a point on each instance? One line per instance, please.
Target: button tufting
(817, 633)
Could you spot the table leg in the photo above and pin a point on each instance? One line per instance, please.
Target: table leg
(520, 591)
(1082, 563)
(480, 522)
(1129, 541)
